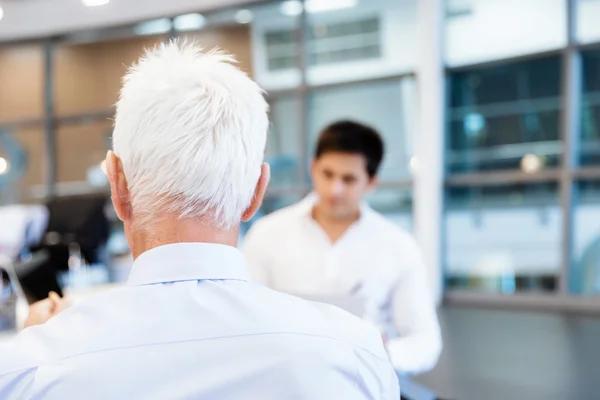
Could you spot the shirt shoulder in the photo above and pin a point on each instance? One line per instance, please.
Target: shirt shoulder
(328, 322)
(382, 225)
(268, 229)
(398, 244)
(87, 327)
(95, 326)
(329, 344)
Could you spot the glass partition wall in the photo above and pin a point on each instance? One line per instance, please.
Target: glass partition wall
(522, 107)
(522, 156)
(319, 61)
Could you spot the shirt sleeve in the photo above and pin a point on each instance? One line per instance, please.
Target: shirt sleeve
(17, 385)
(419, 341)
(392, 386)
(376, 376)
(256, 252)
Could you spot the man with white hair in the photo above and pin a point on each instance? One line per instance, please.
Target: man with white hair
(187, 168)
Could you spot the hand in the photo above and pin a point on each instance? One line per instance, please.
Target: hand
(41, 311)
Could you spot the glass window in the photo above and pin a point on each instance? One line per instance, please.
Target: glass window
(503, 238)
(588, 13)
(505, 117)
(80, 150)
(585, 271)
(22, 164)
(88, 76)
(283, 151)
(387, 105)
(484, 30)
(590, 108)
(272, 41)
(360, 39)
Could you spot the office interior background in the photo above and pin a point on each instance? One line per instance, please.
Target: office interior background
(492, 122)
(490, 110)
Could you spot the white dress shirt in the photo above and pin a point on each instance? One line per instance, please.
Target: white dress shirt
(374, 259)
(190, 325)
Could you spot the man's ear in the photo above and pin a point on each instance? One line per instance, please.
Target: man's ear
(259, 193)
(118, 186)
(313, 163)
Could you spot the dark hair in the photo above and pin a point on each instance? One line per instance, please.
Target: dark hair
(355, 138)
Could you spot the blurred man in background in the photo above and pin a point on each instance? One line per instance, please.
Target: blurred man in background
(187, 167)
(333, 244)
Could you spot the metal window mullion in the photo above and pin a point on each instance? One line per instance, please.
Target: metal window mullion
(387, 78)
(571, 80)
(173, 33)
(467, 67)
(302, 90)
(589, 46)
(49, 120)
(396, 184)
(524, 301)
(498, 178)
(591, 172)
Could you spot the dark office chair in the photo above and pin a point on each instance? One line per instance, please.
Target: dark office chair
(75, 219)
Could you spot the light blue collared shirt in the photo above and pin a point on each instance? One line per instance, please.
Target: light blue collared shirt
(190, 325)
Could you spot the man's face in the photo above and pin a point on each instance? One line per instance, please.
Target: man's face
(341, 180)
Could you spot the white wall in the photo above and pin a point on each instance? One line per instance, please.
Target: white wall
(588, 16)
(497, 29)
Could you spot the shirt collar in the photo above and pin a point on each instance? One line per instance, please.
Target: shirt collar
(305, 207)
(188, 262)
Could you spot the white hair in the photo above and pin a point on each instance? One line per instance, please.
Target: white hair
(190, 130)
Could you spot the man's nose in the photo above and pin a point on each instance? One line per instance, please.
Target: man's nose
(337, 187)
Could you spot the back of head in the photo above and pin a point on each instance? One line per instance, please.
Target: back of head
(190, 131)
